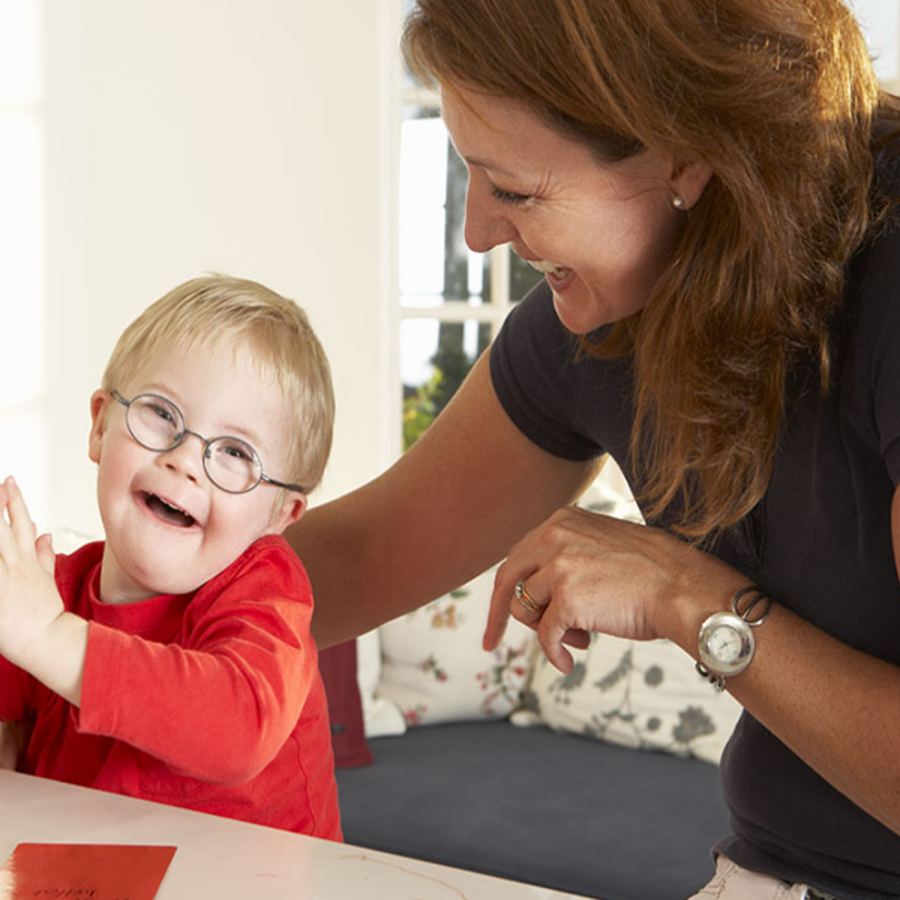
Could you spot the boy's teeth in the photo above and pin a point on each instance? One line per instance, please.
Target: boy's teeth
(169, 511)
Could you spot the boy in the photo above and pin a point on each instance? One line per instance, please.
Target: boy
(174, 661)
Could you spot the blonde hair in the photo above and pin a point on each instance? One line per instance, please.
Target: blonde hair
(779, 97)
(216, 309)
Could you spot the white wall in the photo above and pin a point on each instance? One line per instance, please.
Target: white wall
(249, 136)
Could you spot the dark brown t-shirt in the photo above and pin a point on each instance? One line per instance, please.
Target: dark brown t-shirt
(820, 542)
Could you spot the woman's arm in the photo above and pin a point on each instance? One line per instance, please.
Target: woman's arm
(822, 698)
(445, 511)
(834, 716)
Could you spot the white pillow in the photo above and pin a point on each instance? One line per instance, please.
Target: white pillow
(433, 667)
(638, 694)
(381, 718)
(66, 540)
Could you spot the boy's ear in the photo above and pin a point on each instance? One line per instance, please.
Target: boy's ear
(100, 401)
(289, 512)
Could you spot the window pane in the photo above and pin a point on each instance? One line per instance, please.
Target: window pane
(880, 23)
(456, 258)
(436, 267)
(423, 173)
(435, 358)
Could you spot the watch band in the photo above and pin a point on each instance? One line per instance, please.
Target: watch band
(739, 623)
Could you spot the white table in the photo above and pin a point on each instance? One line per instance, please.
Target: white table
(223, 859)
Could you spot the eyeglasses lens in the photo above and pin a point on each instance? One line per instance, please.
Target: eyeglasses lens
(155, 422)
(232, 464)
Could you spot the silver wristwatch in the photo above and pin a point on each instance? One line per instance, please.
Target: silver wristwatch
(727, 643)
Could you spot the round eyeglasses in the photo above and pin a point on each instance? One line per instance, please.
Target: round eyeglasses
(230, 463)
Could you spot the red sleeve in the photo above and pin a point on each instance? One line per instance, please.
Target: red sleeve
(12, 694)
(220, 703)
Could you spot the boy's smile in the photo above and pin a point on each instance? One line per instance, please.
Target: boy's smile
(169, 529)
(168, 512)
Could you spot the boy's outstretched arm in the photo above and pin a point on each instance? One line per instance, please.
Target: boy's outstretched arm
(36, 633)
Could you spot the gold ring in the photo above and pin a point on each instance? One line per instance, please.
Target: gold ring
(525, 598)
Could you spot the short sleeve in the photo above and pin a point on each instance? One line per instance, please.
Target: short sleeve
(881, 284)
(536, 376)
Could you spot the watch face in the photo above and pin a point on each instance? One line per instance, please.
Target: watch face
(726, 644)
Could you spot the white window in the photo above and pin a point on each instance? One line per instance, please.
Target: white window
(452, 301)
(880, 22)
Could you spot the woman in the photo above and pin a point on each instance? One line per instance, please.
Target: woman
(709, 186)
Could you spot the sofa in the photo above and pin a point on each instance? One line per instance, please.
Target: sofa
(602, 783)
(532, 805)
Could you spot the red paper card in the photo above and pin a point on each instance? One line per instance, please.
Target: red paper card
(84, 872)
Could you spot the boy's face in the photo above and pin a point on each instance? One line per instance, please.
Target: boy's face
(151, 548)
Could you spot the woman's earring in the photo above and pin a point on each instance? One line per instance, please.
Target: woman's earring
(678, 202)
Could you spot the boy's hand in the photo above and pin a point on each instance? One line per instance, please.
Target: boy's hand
(29, 600)
(36, 633)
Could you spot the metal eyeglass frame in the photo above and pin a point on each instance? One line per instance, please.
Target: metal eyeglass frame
(185, 431)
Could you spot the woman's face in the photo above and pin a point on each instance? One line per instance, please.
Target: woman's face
(602, 232)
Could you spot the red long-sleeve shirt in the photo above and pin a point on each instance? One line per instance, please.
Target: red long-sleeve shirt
(210, 701)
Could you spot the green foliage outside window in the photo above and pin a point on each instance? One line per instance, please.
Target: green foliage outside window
(420, 408)
(421, 405)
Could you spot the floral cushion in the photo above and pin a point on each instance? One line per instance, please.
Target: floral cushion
(433, 667)
(639, 694)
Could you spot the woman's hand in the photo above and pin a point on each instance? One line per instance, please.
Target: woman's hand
(591, 573)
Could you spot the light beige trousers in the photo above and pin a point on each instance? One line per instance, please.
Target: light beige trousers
(731, 882)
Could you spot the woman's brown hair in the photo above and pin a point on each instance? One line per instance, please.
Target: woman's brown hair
(779, 97)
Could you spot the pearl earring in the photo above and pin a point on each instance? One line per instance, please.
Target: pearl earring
(678, 202)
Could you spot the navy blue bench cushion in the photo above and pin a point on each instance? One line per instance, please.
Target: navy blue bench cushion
(533, 805)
